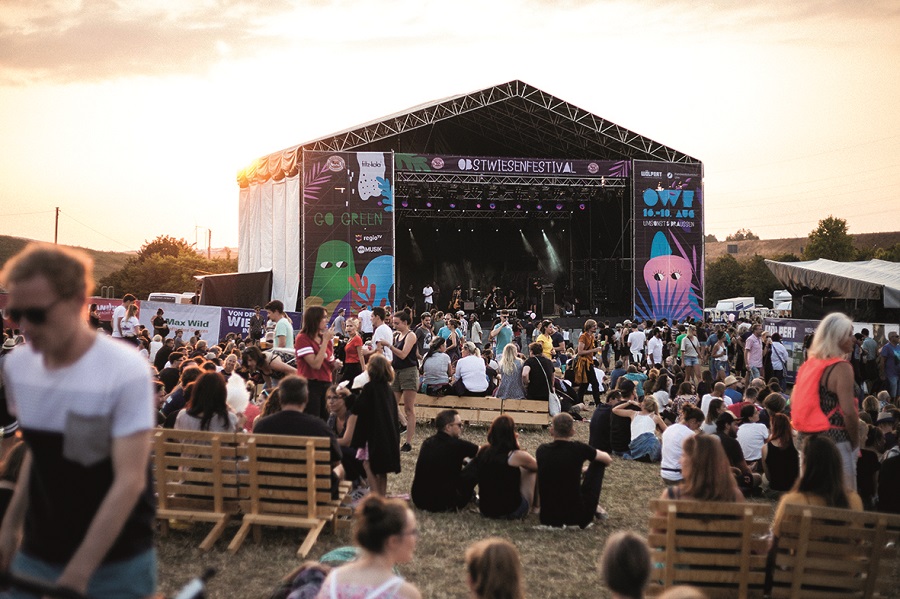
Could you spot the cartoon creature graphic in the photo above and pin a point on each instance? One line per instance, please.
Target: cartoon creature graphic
(380, 272)
(334, 268)
(669, 281)
(371, 169)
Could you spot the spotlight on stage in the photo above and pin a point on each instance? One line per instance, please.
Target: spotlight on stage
(428, 204)
(405, 204)
(453, 205)
(492, 205)
(478, 205)
(559, 206)
(539, 207)
(581, 206)
(518, 206)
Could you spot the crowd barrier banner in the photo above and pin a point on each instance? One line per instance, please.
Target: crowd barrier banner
(237, 320)
(668, 240)
(187, 317)
(348, 230)
(732, 316)
(487, 165)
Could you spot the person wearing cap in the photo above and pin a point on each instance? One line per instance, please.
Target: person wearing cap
(463, 323)
(470, 377)
(885, 423)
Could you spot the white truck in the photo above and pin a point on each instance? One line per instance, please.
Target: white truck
(736, 304)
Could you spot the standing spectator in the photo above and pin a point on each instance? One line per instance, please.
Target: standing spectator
(565, 500)
(353, 351)
(365, 323)
(584, 363)
(780, 359)
(475, 332)
(691, 355)
(637, 340)
(382, 336)
(119, 314)
(889, 363)
(437, 485)
(869, 355)
(424, 333)
(284, 331)
(502, 333)
(86, 410)
(315, 358)
(373, 426)
(753, 352)
(406, 372)
(339, 323)
(159, 324)
(255, 326)
(823, 401)
(428, 297)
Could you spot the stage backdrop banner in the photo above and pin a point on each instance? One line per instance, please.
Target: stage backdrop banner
(492, 165)
(668, 240)
(348, 230)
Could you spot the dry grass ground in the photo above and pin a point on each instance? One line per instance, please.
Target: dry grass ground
(556, 563)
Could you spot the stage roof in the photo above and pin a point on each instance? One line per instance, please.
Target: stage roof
(873, 280)
(512, 119)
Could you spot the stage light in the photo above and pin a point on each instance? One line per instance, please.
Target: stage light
(452, 205)
(492, 205)
(581, 206)
(559, 206)
(405, 204)
(539, 207)
(478, 205)
(428, 204)
(518, 206)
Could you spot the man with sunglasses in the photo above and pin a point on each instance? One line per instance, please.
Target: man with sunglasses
(86, 411)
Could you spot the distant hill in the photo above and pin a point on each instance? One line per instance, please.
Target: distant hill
(769, 248)
(104, 262)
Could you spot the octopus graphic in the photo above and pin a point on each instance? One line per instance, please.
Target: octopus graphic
(668, 278)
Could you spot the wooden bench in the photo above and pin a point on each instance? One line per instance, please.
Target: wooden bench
(717, 547)
(289, 484)
(198, 479)
(836, 553)
(482, 409)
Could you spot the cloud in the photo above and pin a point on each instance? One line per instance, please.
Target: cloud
(66, 40)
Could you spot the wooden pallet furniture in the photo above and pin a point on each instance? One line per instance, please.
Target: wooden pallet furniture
(198, 479)
(836, 553)
(289, 484)
(483, 410)
(717, 547)
(528, 411)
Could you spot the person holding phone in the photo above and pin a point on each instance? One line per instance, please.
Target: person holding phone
(315, 358)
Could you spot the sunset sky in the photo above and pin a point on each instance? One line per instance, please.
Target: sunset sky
(133, 116)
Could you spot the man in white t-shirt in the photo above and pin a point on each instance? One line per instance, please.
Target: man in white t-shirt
(655, 347)
(428, 294)
(365, 323)
(752, 434)
(82, 515)
(718, 392)
(637, 339)
(382, 333)
(119, 315)
(673, 439)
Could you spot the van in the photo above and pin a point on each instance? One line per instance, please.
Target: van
(171, 298)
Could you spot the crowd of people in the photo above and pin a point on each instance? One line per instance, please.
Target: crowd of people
(708, 404)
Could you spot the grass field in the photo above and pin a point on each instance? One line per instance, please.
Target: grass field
(556, 563)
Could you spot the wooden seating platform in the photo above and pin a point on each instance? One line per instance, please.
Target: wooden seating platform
(717, 547)
(836, 553)
(267, 480)
(483, 410)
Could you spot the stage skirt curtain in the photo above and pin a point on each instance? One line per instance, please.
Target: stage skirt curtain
(269, 227)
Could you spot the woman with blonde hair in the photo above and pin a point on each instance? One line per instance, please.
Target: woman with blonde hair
(510, 369)
(494, 570)
(823, 401)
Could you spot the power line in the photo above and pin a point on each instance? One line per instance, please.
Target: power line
(96, 231)
(28, 213)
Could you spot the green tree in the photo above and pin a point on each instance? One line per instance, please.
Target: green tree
(830, 240)
(757, 280)
(789, 257)
(742, 235)
(723, 279)
(710, 238)
(161, 270)
(890, 253)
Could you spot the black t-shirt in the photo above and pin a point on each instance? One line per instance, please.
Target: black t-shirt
(557, 338)
(169, 377)
(538, 385)
(498, 484)
(600, 422)
(423, 339)
(732, 449)
(620, 431)
(436, 484)
(292, 422)
(559, 481)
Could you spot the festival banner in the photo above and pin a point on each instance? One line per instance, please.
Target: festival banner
(793, 332)
(187, 317)
(237, 320)
(668, 240)
(348, 230)
(492, 165)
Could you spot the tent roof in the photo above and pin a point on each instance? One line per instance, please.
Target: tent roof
(874, 279)
(511, 119)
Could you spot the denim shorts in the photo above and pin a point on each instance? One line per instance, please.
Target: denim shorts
(690, 361)
(132, 578)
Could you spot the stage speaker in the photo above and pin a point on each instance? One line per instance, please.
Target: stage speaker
(468, 306)
(548, 302)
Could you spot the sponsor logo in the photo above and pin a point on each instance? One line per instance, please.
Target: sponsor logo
(335, 163)
(593, 168)
(669, 175)
(368, 249)
(651, 173)
(437, 163)
(371, 164)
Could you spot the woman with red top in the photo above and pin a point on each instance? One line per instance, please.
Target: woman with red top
(823, 400)
(353, 359)
(315, 358)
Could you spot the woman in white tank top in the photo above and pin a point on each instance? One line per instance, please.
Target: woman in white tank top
(645, 445)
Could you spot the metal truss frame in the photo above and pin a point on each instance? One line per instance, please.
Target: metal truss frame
(415, 177)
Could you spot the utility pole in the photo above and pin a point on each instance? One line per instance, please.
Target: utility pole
(209, 244)
(56, 227)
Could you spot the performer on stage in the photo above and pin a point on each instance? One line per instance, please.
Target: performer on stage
(456, 299)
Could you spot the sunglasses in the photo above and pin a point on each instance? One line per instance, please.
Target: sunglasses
(36, 316)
